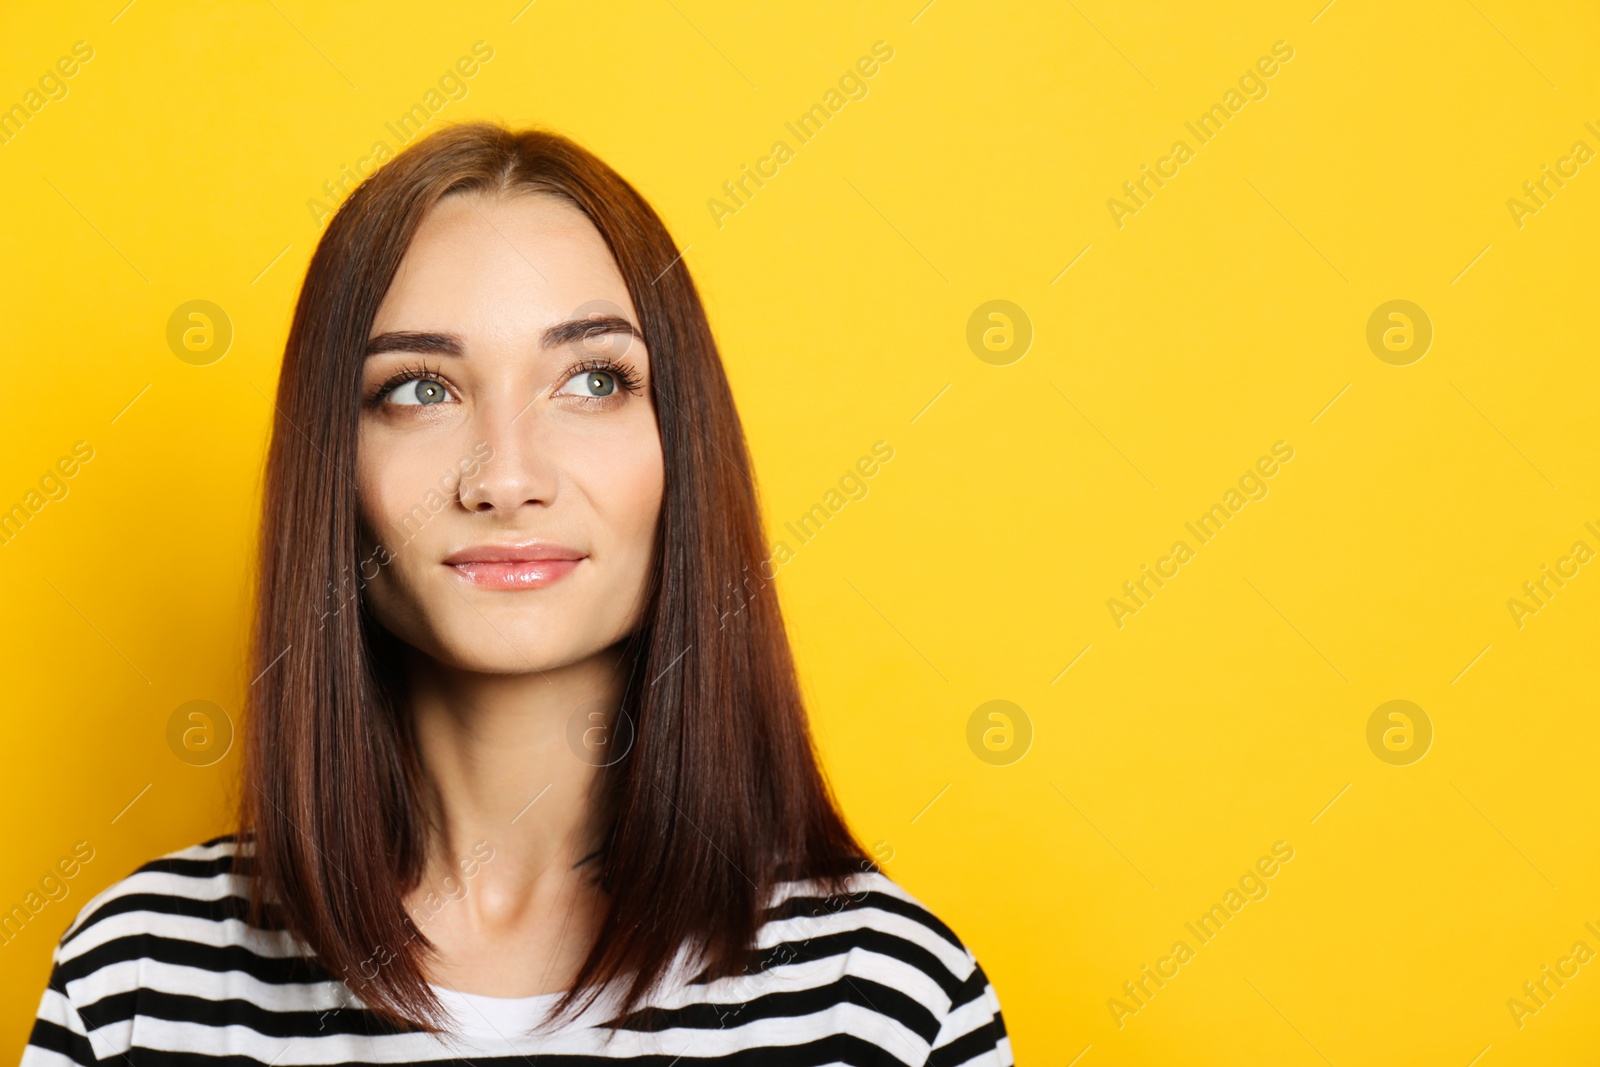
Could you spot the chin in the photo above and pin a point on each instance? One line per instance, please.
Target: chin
(492, 646)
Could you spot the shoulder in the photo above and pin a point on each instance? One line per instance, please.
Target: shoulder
(195, 894)
(170, 928)
(880, 948)
(875, 911)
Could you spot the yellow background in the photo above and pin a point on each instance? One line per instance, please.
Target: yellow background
(1224, 316)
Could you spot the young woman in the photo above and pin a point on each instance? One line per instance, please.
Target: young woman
(527, 770)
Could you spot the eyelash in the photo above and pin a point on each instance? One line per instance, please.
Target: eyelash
(626, 377)
(407, 372)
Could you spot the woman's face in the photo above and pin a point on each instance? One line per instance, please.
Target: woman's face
(491, 421)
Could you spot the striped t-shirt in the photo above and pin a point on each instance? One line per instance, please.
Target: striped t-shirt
(161, 967)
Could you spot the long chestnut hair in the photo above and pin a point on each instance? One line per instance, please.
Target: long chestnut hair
(720, 797)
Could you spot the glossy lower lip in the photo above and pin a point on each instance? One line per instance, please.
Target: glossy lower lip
(526, 574)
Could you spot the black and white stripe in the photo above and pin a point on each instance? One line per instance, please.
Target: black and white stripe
(162, 968)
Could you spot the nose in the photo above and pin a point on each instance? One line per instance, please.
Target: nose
(520, 467)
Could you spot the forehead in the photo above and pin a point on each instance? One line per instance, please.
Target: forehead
(501, 265)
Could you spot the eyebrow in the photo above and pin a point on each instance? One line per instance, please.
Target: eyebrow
(449, 344)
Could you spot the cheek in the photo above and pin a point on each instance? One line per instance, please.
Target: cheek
(393, 492)
(625, 488)
(639, 493)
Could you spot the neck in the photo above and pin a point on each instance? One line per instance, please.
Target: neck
(498, 754)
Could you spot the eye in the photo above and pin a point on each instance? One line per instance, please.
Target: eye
(418, 391)
(595, 383)
(412, 386)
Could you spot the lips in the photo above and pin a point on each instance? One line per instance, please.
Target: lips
(521, 552)
(525, 565)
